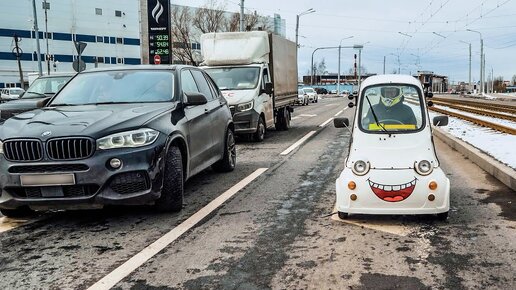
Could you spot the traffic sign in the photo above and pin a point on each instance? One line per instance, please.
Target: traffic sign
(157, 59)
(80, 46)
(78, 65)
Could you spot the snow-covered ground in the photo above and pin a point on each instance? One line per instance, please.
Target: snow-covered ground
(500, 146)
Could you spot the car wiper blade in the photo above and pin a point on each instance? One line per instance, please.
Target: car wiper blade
(112, 103)
(64, 105)
(375, 117)
(36, 93)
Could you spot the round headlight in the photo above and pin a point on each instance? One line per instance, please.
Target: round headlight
(360, 167)
(423, 167)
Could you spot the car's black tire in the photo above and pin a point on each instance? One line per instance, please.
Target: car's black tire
(259, 135)
(442, 216)
(23, 211)
(283, 120)
(343, 215)
(228, 161)
(171, 199)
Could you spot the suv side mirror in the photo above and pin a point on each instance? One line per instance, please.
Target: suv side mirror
(43, 102)
(268, 89)
(341, 122)
(195, 99)
(440, 121)
(429, 94)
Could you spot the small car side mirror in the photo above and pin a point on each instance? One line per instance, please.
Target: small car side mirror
(195, 99)
(440, 121)
(341, 122)
(430, 103)
(268, 89)
(351, 97)
(429, 95)
(351, 105)
(42, 103)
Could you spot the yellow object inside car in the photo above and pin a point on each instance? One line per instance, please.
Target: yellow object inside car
(374, 126)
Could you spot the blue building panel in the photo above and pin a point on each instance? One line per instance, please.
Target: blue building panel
(85, 38)
(132, 61)
(131, 41)
(11, 32)
(62, 36)
(112, 40)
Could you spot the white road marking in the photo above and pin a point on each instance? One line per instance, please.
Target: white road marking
(7, 224)
(332, 105)
(150, 251)
(298, 143)
(294, 118)
(386, 226)
(326, 122)
(308, 115)
(338, 113)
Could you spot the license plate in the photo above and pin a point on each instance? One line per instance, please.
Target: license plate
(47, 179)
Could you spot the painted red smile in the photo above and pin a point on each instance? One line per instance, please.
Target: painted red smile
(393, 193)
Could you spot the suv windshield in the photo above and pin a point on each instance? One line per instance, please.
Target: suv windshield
(235, 78)
(129, 86)
(397, 108)
(45, 86)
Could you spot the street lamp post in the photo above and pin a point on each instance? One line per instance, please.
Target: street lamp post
(36, 31)
(359, 47)
(469, 76)
(46, 6)
(311, 10)
(338, 70)
(312, 64)
(481, 60)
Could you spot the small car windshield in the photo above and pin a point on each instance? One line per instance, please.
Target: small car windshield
(123, 86)
(236, 78)
(45, 86)
(396, 107)
(309, 90)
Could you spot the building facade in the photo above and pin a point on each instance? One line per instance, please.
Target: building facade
(111, 30)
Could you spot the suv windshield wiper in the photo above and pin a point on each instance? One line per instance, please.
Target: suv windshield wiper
(375, 117)
(36, 93)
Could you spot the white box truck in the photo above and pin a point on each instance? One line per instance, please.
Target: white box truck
(257, 74)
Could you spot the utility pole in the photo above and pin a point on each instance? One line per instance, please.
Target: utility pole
(46, 6)
(469, 78)
(17, 52)
(384, 64)
(311, 10)
(242, 15)
(36, 30)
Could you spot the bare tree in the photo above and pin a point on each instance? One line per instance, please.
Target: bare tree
(513, 80)
(321, 68)
(252, 21)
(182, 35)
(363, 70)
(210, 17)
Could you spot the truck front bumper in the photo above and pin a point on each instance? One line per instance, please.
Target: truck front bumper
(245, 122)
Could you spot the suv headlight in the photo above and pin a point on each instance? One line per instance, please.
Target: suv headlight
(245, 106)
(129, 139)
(423, 167)
(360, 167)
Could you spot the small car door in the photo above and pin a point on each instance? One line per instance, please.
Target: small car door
(199, 125)
(267, 99)
(216, 112)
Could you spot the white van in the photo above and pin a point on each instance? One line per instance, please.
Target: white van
(8, 94)
(392, 167)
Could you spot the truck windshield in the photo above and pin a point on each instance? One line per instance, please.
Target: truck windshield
(235, 78)
(398, 108)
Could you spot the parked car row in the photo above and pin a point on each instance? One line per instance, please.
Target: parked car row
(7, 94)
(306, 96)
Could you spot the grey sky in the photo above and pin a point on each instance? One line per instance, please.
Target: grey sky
(377, 23)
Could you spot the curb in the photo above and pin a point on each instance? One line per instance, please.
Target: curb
(502, 172)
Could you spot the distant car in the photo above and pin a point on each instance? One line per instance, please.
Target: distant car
(302, 97)
(333, 91)
(120, 136)
(321, 91)
(41, 90)
(312, 95)
(11, 94)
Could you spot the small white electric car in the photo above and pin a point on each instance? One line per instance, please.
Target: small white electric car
(392, 167)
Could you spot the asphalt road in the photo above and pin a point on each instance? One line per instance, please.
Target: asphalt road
(276, 232)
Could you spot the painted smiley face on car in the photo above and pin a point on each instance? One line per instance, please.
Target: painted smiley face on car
(393, 193)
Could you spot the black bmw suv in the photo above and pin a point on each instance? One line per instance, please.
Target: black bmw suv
(120, 136)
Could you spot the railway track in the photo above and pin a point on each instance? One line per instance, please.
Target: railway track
(483, 111)
(481, 105)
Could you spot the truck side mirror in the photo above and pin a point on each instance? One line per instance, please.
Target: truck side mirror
(440, 121)
(341, 122)
(268, 89)
(351, 96)
(351, 105)
(195, 99)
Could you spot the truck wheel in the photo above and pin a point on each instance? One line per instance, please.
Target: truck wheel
(283, 119)
(17, 212)
(259, 135)
(171, 198)
(228, 161)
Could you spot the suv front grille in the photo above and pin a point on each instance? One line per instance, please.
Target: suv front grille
(48, 168)
(23, 150)
(68, 191)
(70, 148)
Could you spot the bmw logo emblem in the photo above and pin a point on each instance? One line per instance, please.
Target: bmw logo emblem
(46, 133)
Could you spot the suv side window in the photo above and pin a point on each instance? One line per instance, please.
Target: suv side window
(188, 83)
(214, 89)
(202, 84)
